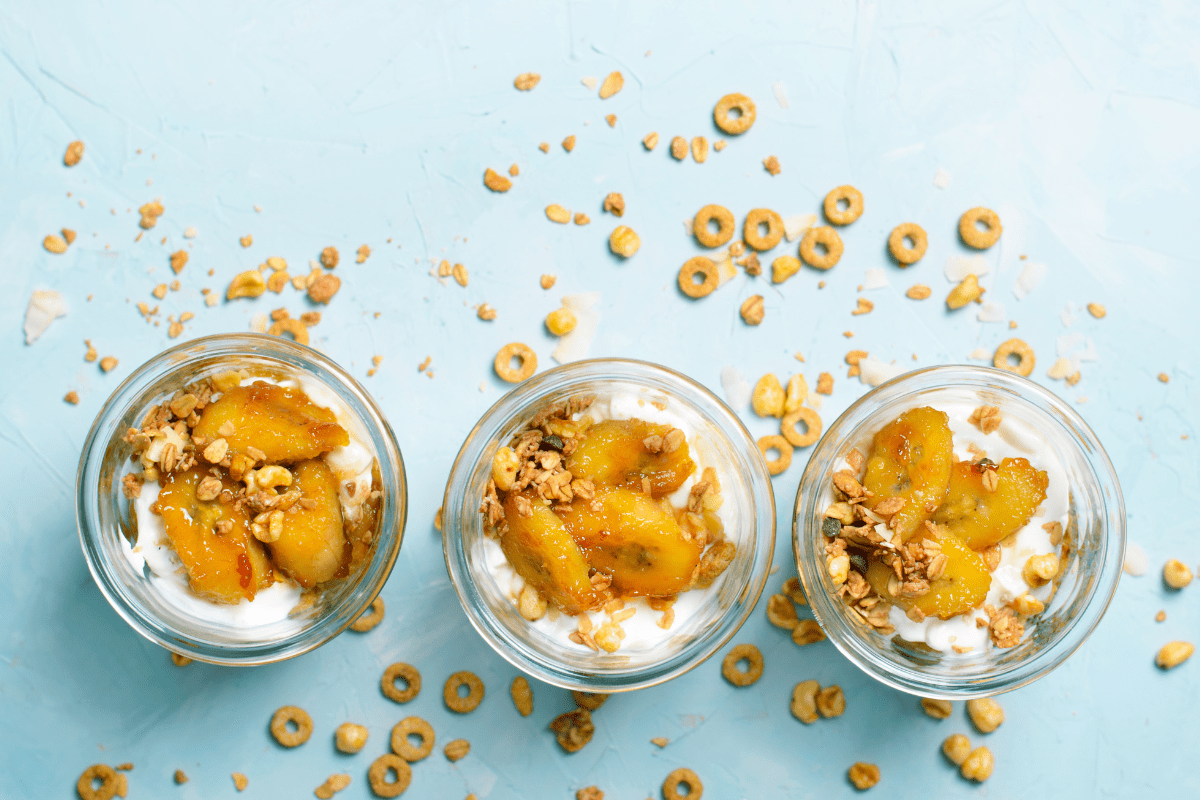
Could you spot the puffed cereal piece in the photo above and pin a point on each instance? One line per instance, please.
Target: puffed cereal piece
(938, 709)
(783, 268)
(561, 321)
(854, 205)
(985, 713)
(768, 398)
(967, 291)
(1172, 654)
(350, 738)
(1176, 574)
(457, 749)
(624, 241)
(979, 765)
(972, 236)
(956, 748)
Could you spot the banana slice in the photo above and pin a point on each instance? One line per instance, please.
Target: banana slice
(312, 547)
(278, 420)
(981, 518)
(911, 458)
(614, 453)
(542, 552)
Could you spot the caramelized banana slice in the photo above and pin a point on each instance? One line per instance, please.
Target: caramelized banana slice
(911, 458)
(278, 420)
(615, 453)
(542, 552)
(962, 586)
(222, 567)
(312, 548)
(635, 541)
(981, 518)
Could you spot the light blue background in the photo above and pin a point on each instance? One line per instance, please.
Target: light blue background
(355, 122)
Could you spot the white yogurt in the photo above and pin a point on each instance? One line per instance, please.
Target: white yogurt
(641, 630)
(153, 555)
(1014, 439)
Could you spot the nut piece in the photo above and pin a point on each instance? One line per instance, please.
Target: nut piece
(522, 696)
(179, 260)
(807, 631)
(1173, 654)
(556, 213)
(568, 143)
(781, 612)
(804, 702)
(752, 310)
(561, 321)
(768, 398)
(573, 729)
(1039, 570)
(831, 702)
(330, 257)
(985, 713)
(108, 363)
(531, 604)
(967, 291)
(699, 149)
(864, 775)
(324, 288)
(246, 284)
(1097, 310)
(956, 748)
(938, 709)
(55, 244)
(1176, 574)
(350, 738)
(623, 241)
(526, 81)
(74, 153)
(919, 291)
(460, 274)
(332, 785)
(679, 148)
(979, 764)
(459, 748)
(485, 312)
(614, 204)
(495, 181)
(650, 140)
(505, 465)
(612, 84)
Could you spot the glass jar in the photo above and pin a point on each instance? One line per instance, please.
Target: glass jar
(178, 620)
(1096, 528)
(713, 616)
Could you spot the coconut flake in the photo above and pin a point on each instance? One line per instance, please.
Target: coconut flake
(873, 371)
(1089, 352)
(1068, 342)
(589, 82)
(575, 345)
(45, 306)
(1029, 278)
(737, 388)
(959, 267)
(1136, 562)
(726, 271)
(941, 178)
(1067, 315)
(780, 93)
(258, 323)
(875, 278)
(979, 354)
(190, 232)
(991, 312)
(795, 225)
(1060, 369)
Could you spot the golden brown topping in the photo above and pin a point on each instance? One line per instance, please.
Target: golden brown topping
(573, 729)
(522, 696)
(324, 288)
(614, 204)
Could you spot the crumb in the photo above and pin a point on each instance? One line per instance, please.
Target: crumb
(568, 143)
(240, 780)
(1164, 377)
(825, 383)
(544, 147)
(72, 397)
(771, 165)
(611, 119)
(1161, 616)
(548, 281)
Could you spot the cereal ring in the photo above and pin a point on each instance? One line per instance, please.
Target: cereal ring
(698, 266)
(97, 772)
(295, 327)
(504, 358)
(828, 238)
(414, 726)
(378, 774)
(784, 447)
(740, 123)
(972, 236)
(405, 672)
(457, 703)
(907, 255)
(1018, 348)
(369, 620)
(725, 225)
(762, 216)
(787, 426)
(297, 716)
(685, 776)
(743, 652)
(854, 205)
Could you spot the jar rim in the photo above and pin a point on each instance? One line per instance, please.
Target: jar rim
(131, 398)
(1103, 583)
(457, 506)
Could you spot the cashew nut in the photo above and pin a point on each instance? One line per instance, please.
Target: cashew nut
(246, 284)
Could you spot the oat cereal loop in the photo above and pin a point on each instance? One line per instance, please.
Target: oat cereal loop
(784, 448)
(722, 216)
(86, 786)
(685, 777)
(387, 764)
(405, 672)
(291, 715)
(456, 702)
(403, 746)
(1018, 348)
(900, 251)
(827, 238)
(812, 423)
(521, 352)
(370, 619)
(727, 121)
(704, 267)
(750, 229)
(854, 205)
(734, 674)
(969, 230)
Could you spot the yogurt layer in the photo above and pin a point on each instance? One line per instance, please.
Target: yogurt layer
(1014, 439)
(641, 630)
(153, 556)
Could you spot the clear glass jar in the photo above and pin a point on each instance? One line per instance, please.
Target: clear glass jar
(1096, 514)
(107, 523)
(721, 610)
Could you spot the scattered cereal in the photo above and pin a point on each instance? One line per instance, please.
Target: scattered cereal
(679, 148)
(1018, 349)
(756, 219)
(754, 665)
(650, 140)
(699, 149)
(682, 777)
(611, 119)
(710, 214)
(1164, 377)
(68, 235)
(705, 268)
(286, 717)
(812, 423)
(589, 793)
(364, 252)
(824, 383)
(1176, 574)
(979, 764)
(240, 781)
(522, 696)
(783, 268)
(831, 702)
(561, 321)
(55, 244)
(250, 283)
(1096, 310)
(370, 619)
(179, 260)
(804, 702)
(752, 310)
(807, 631)
(969, 231)
(332, 785)
(403, 746)
(900, 251)
(246, 240)
(854, 205)
(556, 213)
(967, 291)
(768, 398)
(956, 748)
(108, 364)
(781, 446)
(86, 785)
(729, 122)
(404, 672)
(544, 147)
(524, 355)
(548, 281)
(72, 397)
(781, 612)
(826, 238)
(771, 165)
(1172, 654)
(456, 702)
(864, 306)
(568, 143)
(623, 241)
(180, 777)
(985, 713)
(381, 768)
(324, 288)
(614, 204)
(485, 312)
(938, 709)
(573, 729)
(589, 700)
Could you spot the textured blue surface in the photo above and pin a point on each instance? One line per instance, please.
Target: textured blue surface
(352, 123)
